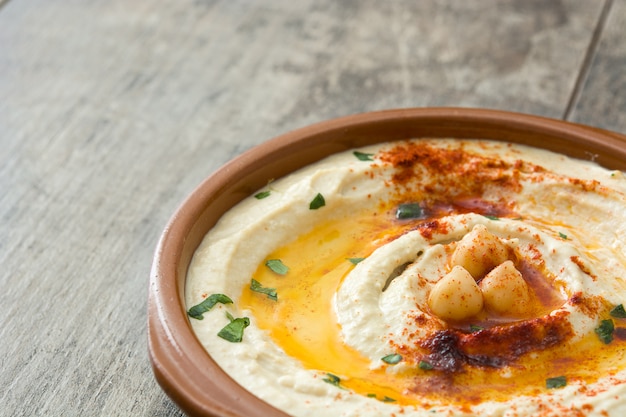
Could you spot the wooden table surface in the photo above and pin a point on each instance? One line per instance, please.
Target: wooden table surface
(112, 112)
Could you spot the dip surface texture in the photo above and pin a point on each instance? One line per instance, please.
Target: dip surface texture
(423, 277)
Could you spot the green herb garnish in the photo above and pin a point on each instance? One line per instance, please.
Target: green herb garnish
(208, 303)
(388, 399)
(409, 211)
(277, 266)
(370, 395)
(257, 287)
(361, 156)
(262, 195)
(355, 261)
(333, 380)
(605, 331)
(474, 328)
(317, 202)
(618, 312)
(233, 331)
(392, 359)
(491, 217)
(556, 382)
(562, 235)
(424, 366)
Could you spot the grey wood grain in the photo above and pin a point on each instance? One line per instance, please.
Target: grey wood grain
(603, 97)
(112, 112)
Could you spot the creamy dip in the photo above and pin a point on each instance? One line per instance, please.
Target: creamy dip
(423, 277)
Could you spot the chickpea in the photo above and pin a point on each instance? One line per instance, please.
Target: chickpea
(505, 292)
(456, 296)
(479, 251)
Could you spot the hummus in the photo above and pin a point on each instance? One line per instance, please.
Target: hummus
(423, 277)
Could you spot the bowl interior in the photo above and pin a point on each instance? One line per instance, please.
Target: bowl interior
(181, 365)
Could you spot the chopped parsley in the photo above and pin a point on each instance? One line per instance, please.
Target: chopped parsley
(262, 195)
(257, 287)
(392, 359)
(474, 328)
(563, 236)
(208, 303)
(556, 382)
(618, 312)
(423, 365)
(233, 331)
(409, 211)
(361, 156)
(277, 266)
(385, 399)
(491, 217)
(333, 380)
(355, 261)
(605, 331)
(317, 202)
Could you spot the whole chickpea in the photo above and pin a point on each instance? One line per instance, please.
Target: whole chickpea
(479, 251)
(456, 296)
(504, 290)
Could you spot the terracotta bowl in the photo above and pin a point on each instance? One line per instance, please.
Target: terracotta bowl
(181, 365)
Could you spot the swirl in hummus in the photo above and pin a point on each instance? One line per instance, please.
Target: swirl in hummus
(424, 277)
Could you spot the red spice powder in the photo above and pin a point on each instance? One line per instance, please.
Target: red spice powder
(583, 267)
(589, 305)
(512, 341)
(427, 229)
(446, 174)
(586, 185)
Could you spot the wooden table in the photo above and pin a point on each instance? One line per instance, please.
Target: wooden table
(111, 112)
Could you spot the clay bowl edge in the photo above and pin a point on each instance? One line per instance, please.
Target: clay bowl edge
(181, 366)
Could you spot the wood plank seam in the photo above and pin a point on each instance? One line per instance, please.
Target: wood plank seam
(585, 68)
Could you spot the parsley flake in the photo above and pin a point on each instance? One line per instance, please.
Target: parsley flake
(355, 261)
(491, 217)
(423, 365)
(233, 331)
(277, 266)
(605, 331)
(563, 236)
(388, 399)
(474, 328)
(208, 303)
(556, 382)
(392, 359)
(317, 202)
(618, 312)
(409, 211)
(333, 380)
(257, 287)
(262, 195)
(361, 156)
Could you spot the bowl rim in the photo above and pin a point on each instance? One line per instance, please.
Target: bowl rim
(181, 366)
